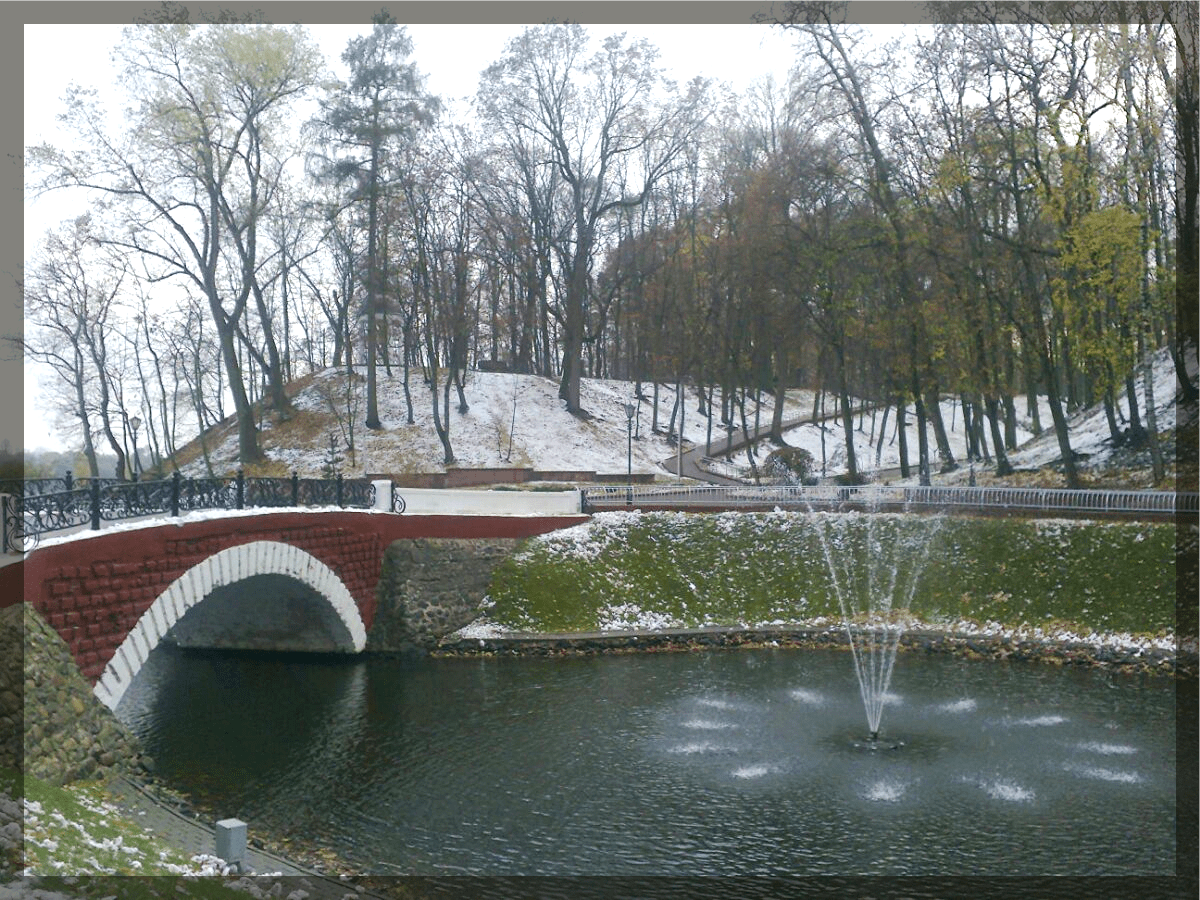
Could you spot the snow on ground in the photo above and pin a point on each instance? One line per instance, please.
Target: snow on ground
(877, 448)
(112, 855)
(1089, 429)
(1089, 434)
(513, 421)
(519, 421)
(629, 617)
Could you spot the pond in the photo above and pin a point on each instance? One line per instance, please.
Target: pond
(736, 762)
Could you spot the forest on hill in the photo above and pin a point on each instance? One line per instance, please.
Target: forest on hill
(985, 210)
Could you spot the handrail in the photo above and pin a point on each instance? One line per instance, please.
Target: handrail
(25, 518)
(888, 496)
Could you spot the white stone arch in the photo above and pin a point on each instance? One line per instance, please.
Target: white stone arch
(227, 567)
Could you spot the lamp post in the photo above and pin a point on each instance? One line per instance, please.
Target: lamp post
(630, 409)
(135, 423)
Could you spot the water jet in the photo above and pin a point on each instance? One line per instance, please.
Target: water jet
(874, 561)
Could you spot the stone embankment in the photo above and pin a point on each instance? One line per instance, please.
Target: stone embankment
(431, 587)
(62, 733)
(1181, 663)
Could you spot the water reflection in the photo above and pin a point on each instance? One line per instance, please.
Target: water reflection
(736, 762)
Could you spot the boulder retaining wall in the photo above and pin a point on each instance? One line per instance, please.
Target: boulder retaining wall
(431, 587)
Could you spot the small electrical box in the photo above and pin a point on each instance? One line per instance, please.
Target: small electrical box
(231, 841)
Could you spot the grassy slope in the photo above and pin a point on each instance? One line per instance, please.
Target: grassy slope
(73, 830)
(694, 570)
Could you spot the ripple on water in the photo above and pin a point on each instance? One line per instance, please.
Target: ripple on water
(695, 747)
(808, 696)
(717, 703)
(1007, 791)
(958, 706)
(757, 770)
(708, 725)
(1038, 721)
(1102, 774)
(886, 791)
(1106, 749)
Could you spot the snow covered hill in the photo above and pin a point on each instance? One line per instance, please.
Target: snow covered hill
(519, 421)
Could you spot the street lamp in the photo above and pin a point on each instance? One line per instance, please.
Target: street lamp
(135, 423)
(630, 409)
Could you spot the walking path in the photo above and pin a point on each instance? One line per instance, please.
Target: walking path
(692, 458)
(193, 837)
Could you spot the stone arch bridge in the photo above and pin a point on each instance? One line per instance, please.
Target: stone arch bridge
(288, 581)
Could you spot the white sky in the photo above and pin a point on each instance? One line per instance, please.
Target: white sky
(451, 57)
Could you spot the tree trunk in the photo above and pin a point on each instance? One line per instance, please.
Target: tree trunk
(922, 435)
(939, 433)
(373, 279)
(1003, 466)
(1110, 417)
(1156, 457)
(777, 412)
(573, 325)
(882, 435)
(852, 476)
(708, 434)
(1136, 432)
(1061, 431)
(248, 448)
(969, 428)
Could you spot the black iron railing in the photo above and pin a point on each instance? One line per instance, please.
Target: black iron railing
(42, 506)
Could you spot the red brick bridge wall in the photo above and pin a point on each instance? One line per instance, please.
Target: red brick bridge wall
(94, 590)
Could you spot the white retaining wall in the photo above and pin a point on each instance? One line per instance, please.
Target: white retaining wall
(439, 502)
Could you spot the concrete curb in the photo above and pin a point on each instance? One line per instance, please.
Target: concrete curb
(193, 837)
(1182, 661)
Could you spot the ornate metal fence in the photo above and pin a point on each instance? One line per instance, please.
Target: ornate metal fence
(43, 506)
(12, 526)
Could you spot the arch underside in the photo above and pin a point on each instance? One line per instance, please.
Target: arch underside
(264, 595)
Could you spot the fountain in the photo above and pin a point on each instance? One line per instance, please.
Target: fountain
(875, 561)
(691, 764)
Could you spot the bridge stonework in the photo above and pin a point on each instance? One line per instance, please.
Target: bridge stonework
(123, 590)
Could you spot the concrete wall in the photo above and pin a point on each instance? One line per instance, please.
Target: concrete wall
(461, 478)
(424, 501)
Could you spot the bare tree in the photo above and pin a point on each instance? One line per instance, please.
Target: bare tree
(185, 171)
(70, 291)
(592, 118)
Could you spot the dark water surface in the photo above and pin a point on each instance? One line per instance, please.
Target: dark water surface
(722, 762)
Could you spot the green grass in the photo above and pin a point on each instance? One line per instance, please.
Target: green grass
(730, 569)
(75, 831)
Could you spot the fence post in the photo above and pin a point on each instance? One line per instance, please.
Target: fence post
(68, 479)
(3, 523)
(241, 489)
(295, 488)
(95, 485)
(339, 489)
(176, 480)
